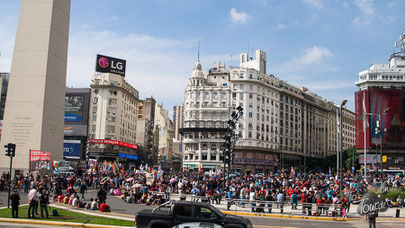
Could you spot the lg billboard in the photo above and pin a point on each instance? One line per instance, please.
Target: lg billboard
(107, 64)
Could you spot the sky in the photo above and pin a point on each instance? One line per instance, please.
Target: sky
(318, 44)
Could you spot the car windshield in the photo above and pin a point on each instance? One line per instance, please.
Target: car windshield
(217, 211)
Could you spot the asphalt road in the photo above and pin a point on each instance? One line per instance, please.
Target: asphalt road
(119, 208)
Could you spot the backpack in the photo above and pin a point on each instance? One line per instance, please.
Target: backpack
(55, 212)
(294, 198)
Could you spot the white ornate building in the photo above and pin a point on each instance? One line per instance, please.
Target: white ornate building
(206, 112)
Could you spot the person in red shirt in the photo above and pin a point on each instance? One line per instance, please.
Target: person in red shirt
(104, 208)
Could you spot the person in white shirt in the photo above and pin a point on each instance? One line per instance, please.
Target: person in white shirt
(33, 202)
(252, 199)
(93, 205)
(76, 202)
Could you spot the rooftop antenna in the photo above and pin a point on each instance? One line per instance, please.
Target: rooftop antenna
(401, 42)
(198, 57)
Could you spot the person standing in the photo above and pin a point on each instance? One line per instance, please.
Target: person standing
(371, 216)
(15, 202)
(280, 201)
(252, 198)
(43, 202)
(33, 202)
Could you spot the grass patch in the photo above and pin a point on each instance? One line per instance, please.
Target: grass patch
(67, 216)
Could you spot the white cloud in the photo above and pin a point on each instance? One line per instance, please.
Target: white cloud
(113, 18)
(155, 66)
(313, 55)
(238, 17)
(314, 3)
(281, 26)
(367, 10)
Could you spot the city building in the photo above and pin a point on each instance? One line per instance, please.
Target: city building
(178, 116)
(380, 106)
(164, 126)
(112, 119)
(4, 77)
(3, 91)
(145, 130)
(206, 113)
(282, 126)
(77, 101)
(257, 149)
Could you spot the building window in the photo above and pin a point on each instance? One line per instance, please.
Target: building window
(204, 147)
(213, 157)
(214, 147)
(204, 156)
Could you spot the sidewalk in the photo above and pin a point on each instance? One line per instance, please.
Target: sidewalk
(288, 212)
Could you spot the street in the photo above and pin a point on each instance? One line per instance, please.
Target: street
(121, 209)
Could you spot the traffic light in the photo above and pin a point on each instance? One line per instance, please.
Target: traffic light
(7, 149)
(10, 149)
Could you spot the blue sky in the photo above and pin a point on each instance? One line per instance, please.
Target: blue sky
(319, 44)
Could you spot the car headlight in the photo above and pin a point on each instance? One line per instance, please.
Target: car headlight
(249, 225)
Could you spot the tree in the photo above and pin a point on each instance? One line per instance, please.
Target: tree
(350, 157)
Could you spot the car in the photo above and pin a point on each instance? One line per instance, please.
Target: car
(174, 213)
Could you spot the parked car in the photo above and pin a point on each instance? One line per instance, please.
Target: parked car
(173, 213)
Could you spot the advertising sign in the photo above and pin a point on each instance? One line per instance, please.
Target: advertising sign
(371, 158)
(128, 156)
(74, 108)
(112, 142)
(107, 64)
(75, 130)
(71, 149)
(40, 160)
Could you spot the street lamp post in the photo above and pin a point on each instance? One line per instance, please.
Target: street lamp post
(341, 148)
(381, 139)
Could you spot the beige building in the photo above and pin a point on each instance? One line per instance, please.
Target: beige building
(35, 105)
(145, 130)
(165, 128)
(112, 116)
(178, 117)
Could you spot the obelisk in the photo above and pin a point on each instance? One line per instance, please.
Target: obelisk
(35, 104)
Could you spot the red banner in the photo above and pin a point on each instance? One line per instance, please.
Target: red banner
(37, 155)
(113, 142)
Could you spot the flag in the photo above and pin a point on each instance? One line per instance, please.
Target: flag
(292, 171)
(200, 168)
(330, 171)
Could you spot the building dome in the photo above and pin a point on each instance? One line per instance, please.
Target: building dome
(197, 72)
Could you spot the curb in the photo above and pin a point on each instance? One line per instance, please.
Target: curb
(290, 216)
(53, 223)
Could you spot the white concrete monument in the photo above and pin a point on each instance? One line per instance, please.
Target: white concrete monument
(34, 112)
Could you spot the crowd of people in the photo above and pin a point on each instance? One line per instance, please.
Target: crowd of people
(262, 193)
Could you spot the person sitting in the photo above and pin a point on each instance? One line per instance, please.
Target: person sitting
(93, 205)
(60, 198)
(71, 198)
(400, 201)
(389, 202)
(76, 202)
(66, 199)
(104, 208)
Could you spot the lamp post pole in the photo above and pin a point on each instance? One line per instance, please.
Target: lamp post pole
(341, 149)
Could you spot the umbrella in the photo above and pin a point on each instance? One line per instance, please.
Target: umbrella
(117, 192)
(130, 179)
(136, 185)
(172, 180)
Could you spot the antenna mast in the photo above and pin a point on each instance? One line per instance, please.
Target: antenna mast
(401, 42)
(198, 57)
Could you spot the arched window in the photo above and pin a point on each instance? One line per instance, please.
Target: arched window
(204, 147)
(213, 147)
